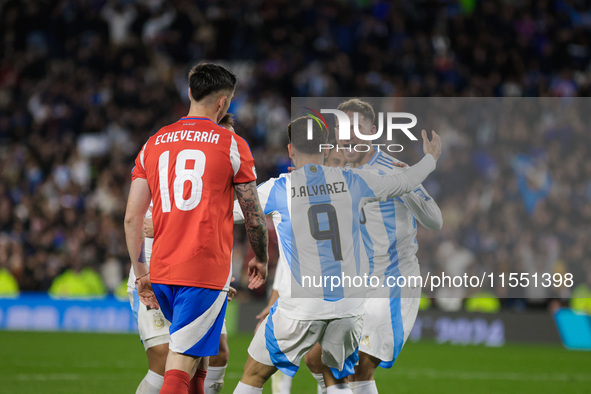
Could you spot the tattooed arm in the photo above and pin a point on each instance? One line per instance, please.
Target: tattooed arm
(256, 230)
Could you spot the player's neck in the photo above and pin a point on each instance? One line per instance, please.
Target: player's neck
(301, 160)
(200, 111)
(364, 159)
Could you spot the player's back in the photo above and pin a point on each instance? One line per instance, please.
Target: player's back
(326, 246)
(191, 167)
(390, 229)
(316, 210)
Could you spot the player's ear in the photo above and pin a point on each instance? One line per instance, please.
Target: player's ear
(222, 102)
(373, 129)
(289, 150)
(189, 94)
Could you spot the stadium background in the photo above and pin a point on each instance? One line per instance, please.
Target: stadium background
(84, 83)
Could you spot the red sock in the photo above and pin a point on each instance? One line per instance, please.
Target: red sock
(175, 382)
(198, 382)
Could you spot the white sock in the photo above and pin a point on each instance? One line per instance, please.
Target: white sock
(214, 380)
(341, 388)
(276, 379)
(364, 387)
(321, 386)
(286, 384)
(246, 389)
(150, 384)
(280, 383)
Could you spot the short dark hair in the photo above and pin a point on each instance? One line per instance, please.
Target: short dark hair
(332, 139)
(206, 79)
(359, 106)
(297, 132)
(227, 120)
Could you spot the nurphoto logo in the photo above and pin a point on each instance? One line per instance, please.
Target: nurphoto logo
(343, 129)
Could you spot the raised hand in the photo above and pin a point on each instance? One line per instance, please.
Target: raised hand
(432, 147)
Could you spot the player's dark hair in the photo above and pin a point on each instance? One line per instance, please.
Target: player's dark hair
(297, 132)
(206, 79)
(227, 120)
(359, 106)
(332, 140)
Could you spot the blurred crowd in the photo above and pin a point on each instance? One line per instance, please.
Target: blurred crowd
(83, 83)
(514, 187)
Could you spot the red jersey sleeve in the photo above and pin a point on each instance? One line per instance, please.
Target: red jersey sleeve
(242, 161)
(139, 171)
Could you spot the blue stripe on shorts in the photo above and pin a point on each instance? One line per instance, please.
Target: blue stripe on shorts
(348, 366)
(278, 358)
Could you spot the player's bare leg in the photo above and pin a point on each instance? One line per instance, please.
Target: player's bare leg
(362, 381)
(214, 381)
(221, 360)
(313, 361)
(197, 385)
(157, 358)
(254, 377)
(152, 382)
(180, 369)
(183, 362)
(333, 385)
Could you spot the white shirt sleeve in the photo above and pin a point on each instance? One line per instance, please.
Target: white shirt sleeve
(395, 185)
(424, 208)
(263, 190)
(238, 214)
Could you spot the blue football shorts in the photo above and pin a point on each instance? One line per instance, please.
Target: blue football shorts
(196, 315)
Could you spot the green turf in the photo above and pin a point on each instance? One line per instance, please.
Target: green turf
(103, 363)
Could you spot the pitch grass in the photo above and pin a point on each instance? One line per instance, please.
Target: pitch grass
(34, 362)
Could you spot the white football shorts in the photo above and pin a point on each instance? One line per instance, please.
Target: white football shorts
(152, 325)
(282, 342)
(387, 325)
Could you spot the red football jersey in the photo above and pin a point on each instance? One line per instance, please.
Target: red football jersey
(191, 167)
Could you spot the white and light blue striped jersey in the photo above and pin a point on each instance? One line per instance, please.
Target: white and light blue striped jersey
(316, 211)
(389, 227)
